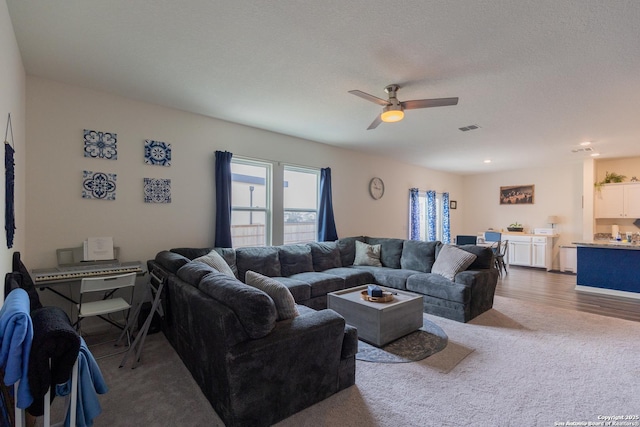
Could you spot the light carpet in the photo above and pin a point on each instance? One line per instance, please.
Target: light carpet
(531, 365)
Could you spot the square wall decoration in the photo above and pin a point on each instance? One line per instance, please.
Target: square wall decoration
(157, 190)
(157, 153)
(100, 145)
(98, 185)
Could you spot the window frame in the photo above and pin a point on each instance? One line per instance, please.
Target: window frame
(268, 209)
(310, 171)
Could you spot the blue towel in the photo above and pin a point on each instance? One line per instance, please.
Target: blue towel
(90, 384)
(16, 335)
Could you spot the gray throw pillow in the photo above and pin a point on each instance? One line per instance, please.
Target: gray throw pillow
(367, 254)
(215, 260)
(451, 260)
(279, 293)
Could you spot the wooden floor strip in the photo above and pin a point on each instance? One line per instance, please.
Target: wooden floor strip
(558, 290)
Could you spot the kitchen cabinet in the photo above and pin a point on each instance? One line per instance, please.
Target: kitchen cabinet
(538, 252)
(618, 201)
(530, 250)
(519, 250)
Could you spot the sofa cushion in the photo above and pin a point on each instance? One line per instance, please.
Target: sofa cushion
(352, 277)
(321, 283)
(367, 255)
(347, 248)
(300, 290)
(193, 272)
(437, 286)
(484, 256)
(285, 304)
(254, 309)
(390, 250)
(263, 260)
(215, 260)
(418, 255)
(325, 255)
(452, 260)
(171, 261)
(294, 259)
(385, 276)
(191, 253)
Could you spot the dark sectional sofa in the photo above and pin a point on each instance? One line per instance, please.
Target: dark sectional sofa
(256, 370)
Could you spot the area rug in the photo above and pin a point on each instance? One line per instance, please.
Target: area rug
(418, 345)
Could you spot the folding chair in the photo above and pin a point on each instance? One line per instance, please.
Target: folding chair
(109, 303)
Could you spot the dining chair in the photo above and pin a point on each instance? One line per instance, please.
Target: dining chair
(500, 257)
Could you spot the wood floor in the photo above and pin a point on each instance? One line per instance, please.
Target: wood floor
(558, 290)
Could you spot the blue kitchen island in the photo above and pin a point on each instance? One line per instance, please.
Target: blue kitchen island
(611, 268)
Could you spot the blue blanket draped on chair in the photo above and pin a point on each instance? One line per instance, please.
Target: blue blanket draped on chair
(90, 384)
(16, 336)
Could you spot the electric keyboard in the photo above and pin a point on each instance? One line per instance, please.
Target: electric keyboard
(77, 272)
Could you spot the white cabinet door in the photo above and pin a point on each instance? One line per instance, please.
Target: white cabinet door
(632, 201)
(539, 253)
(609, 201)
(520, 252)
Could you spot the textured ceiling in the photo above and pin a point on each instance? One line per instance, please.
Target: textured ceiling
(538, 77)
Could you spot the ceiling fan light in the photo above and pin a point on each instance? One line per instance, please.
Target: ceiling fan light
(390, 116)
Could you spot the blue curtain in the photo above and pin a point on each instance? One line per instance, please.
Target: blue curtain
(223, 199)
(414, 214)
(326, 222)
(431, 215)
(446, 223)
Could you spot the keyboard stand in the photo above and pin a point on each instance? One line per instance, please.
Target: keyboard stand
(156, 293)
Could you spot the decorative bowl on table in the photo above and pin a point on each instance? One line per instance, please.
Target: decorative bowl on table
(515, 229)
(386, 297)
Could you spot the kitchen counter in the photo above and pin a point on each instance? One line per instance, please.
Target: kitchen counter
(517, 233)
(609, 244)
(609, 267)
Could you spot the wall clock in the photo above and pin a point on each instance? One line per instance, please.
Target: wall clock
(376, 188)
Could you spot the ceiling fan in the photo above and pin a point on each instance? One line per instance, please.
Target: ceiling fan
(393, 110)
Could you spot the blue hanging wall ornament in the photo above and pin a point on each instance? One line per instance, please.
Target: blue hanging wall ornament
(9, 165)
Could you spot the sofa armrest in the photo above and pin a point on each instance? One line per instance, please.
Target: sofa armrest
(296, 365)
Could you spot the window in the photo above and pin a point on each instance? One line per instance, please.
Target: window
(251, 200)
(439, 217)
(264, 214)
(301, 189)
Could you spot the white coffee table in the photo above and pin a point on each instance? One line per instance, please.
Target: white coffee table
(378, 323)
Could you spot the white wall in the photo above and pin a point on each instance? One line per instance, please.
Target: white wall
(12, 100)
(58, 217)
(558, 191)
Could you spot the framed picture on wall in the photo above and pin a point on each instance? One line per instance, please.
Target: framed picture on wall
(517, 195)
(453, 204)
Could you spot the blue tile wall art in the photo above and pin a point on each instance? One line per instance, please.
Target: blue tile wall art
(98, 185)
(100, 145)
(157, 190)
(157, 153)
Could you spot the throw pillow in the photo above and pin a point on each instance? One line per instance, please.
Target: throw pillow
(279, 293)
(367, 254)
(452, 260)
(215, 260)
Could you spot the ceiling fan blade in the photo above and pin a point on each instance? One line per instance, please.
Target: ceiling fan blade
(374, 124)
(371, 98)
(426, 103)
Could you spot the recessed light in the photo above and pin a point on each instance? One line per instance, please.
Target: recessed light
(594, 154)
(585, 143)
(487, 161)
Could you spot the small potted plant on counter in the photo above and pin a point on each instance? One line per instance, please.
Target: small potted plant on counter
(515, 227)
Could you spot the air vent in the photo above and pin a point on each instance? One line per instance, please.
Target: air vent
(468, 128)
(582, 150)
